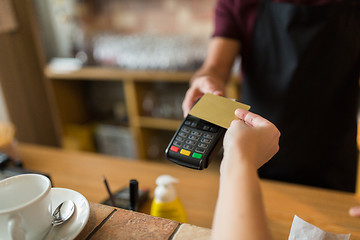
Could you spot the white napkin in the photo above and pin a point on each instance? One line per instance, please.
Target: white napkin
(65, 65)
(302, 230)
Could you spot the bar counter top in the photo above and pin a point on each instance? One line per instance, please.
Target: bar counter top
(83, 172)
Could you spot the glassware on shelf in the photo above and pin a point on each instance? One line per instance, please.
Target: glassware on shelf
(150, 52)
(106, 101)
(157, 142)
(163, 100)
(149, 103)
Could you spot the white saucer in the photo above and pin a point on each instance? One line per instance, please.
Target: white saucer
(71, 228)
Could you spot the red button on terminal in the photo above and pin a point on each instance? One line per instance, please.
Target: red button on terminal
(174, 149)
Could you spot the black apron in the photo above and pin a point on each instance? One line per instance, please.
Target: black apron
(303, 75)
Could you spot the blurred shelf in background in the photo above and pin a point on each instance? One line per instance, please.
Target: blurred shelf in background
(138, 111)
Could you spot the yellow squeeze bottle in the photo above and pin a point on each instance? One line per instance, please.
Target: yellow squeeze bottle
(166, 203)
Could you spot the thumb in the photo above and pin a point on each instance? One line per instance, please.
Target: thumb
(250, 118)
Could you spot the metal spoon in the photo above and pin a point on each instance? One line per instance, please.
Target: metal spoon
(61, 214)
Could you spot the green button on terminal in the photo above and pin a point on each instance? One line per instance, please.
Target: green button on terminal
(197, 155)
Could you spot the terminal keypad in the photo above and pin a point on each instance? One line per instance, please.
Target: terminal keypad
(194, 137)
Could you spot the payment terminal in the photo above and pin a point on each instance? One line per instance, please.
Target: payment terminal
(199, 137)
(195, 143)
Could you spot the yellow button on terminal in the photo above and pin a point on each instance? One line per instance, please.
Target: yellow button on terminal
(185, 152)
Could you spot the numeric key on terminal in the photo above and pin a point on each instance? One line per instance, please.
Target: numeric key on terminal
(186, 130)
(183, 134)
(196, 133)
(209, 136)
(200, 150)
(180, 139)
(205, 140)
(190, 142)
(195, 138)
(202, 145)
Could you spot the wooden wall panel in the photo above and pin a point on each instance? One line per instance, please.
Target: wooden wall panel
(25, 89)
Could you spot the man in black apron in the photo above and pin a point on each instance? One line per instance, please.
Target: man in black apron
(301, 64)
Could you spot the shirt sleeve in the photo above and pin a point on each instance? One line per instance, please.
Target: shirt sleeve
(225, 20)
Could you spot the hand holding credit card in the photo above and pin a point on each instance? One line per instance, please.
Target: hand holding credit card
(199, 136)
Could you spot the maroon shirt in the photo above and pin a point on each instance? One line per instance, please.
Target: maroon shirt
(236, 18)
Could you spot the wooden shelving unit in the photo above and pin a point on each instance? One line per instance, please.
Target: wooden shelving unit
(72, 108)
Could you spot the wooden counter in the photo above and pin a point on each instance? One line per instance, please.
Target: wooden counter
(83, 172)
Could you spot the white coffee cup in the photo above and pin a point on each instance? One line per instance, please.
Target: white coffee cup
(25, 207)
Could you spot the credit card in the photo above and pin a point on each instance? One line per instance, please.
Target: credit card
(216, 109)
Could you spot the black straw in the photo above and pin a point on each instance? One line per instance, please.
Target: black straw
(111, 196)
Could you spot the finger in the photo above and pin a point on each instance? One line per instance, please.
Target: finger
(188, 102)
(211, 89)
(241, 113)
(218, 93)
(236, 122)
(238, 125)
(250, 118)
(190, 98)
